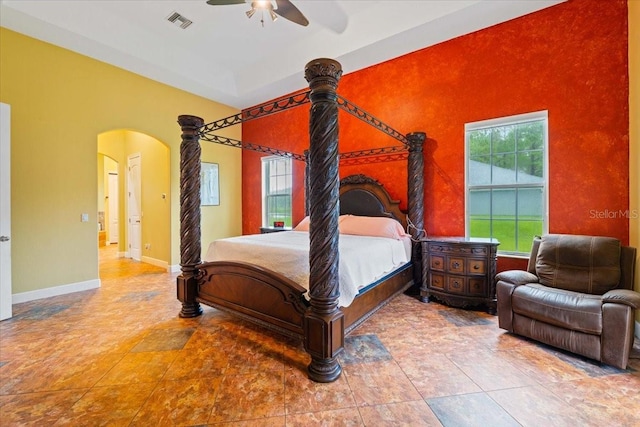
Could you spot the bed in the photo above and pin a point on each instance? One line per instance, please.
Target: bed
(388, 248)
(271, 299)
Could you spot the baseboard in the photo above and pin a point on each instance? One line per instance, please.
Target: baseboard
(156, 262)
(55, 291)
(175, 268)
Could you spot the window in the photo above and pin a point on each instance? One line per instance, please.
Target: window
(276, 190)
(506, 180)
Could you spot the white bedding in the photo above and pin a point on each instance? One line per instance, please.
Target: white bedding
(362, 260)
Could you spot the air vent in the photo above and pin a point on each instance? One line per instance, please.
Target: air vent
(179, 20)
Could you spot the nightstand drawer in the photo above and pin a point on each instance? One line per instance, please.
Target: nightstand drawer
(455, 285)
(476, 266)
(477, 286)
(437, 263)
(479, 250)
(436, 281)
(456, 265)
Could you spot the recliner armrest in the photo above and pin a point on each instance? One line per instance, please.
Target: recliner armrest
(623, 296)
(517, 277)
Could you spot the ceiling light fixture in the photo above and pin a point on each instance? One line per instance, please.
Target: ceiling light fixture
(262, 6)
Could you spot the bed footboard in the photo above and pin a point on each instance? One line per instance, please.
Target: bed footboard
(254, 293)
(270, 299)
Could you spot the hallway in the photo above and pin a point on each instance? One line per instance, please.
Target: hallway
(112, 267)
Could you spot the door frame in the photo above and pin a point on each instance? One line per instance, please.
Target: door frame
(113, 206)
(6, 310)
(134, 207)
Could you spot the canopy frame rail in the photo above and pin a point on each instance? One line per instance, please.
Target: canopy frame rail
(224, 140)
(261, 110)
(366, 117)
(373, 152)
(292, 101)
(396, 152)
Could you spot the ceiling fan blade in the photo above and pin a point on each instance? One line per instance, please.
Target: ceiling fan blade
(288, 11)
(223, 2)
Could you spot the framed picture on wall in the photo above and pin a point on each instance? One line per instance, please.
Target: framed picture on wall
(209, 184)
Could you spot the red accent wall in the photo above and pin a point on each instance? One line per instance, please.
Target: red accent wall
(570, 59)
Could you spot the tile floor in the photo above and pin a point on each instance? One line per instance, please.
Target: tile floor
(121, 356)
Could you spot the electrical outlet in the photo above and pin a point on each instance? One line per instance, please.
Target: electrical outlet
(147, 245)
(84, 217)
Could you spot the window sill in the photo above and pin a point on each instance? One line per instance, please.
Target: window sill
(514, 256)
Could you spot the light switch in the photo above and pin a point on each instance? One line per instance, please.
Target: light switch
(84, 217)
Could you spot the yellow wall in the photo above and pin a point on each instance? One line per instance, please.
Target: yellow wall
(60, 103)
(214, 217)
(634, 133)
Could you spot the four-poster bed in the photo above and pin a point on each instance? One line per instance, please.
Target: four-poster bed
(267, 297)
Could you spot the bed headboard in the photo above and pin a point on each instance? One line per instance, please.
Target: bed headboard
(364, 196)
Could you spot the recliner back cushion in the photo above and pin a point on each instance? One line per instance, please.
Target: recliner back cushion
(587, 264)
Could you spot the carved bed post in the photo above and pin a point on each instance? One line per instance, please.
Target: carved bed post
(415, 203)
(416, 183)
(323, 321)
(307, 184)
(189, 215)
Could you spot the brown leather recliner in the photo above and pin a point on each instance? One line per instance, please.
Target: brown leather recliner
(576, 295)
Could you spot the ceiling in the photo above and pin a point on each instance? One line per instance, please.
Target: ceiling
(226, 57)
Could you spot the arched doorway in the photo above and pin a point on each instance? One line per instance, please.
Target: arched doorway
(115, 149)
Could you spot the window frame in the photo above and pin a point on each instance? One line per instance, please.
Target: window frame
(265, 182)
(536, 116)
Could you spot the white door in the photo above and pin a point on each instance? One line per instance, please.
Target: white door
(113, 206)
(134, 207)
(5, 212)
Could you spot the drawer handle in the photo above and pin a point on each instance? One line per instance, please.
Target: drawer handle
(456, 284)
(436, 263)
(476, 267)
(456, 264)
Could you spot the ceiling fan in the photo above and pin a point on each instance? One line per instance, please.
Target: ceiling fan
(282, 8)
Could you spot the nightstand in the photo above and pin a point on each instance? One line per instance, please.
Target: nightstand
(460, 271)
(265, 230)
